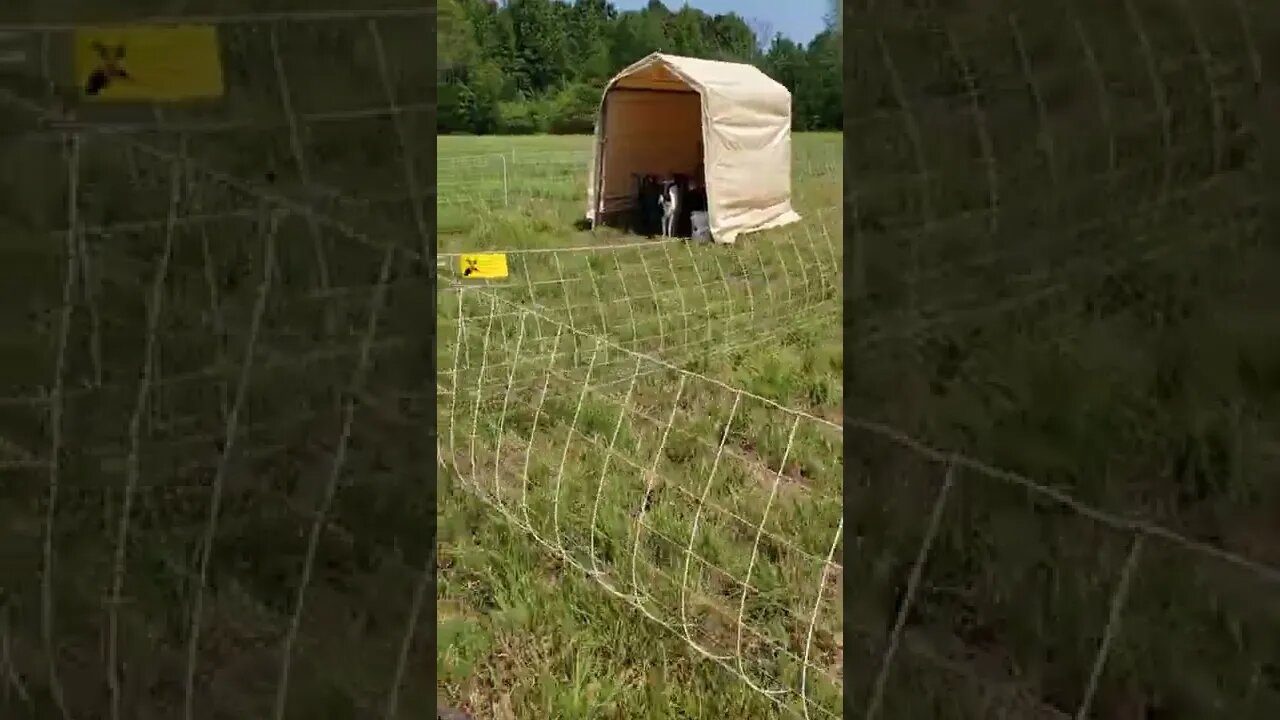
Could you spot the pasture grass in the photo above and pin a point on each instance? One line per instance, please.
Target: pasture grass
(210, 472)
(597, 421)
(1059, 271)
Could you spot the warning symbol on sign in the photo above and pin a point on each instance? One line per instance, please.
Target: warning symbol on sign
(148, 63)
(110, 68)
(483, 266)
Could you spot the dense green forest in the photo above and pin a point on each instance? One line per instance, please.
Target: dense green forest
(537, 66)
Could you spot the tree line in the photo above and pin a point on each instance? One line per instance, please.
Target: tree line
(538, 66)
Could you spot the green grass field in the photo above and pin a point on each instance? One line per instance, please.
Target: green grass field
(1061, 282)
(211, 467)
(1058, 249)
(637, 429)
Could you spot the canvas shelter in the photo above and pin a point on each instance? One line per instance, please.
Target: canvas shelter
(728, 123)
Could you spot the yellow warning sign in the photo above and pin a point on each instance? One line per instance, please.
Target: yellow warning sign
(483, 266)
(140, 63)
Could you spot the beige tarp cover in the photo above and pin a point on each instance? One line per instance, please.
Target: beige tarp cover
(655, 112)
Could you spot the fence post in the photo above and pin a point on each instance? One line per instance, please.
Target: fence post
(505, 200)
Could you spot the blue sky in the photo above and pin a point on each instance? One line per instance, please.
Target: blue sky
(799, 20)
